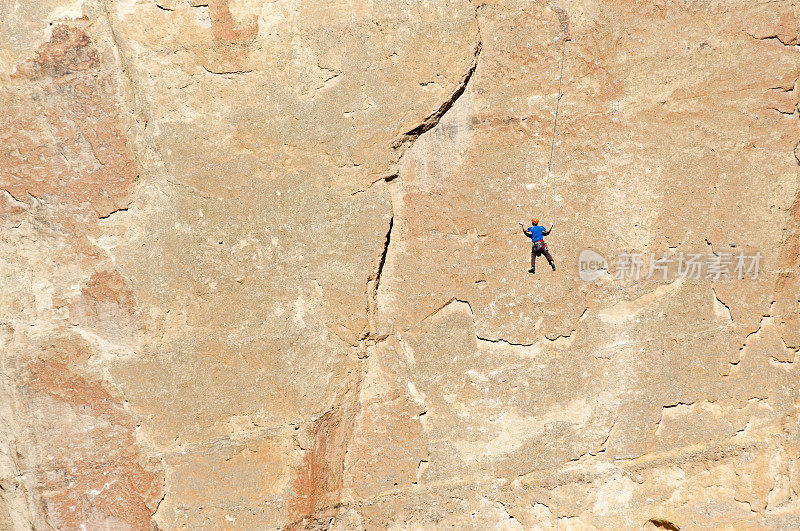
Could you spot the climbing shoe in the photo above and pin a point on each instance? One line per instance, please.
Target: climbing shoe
(554, 266)
(531, 270)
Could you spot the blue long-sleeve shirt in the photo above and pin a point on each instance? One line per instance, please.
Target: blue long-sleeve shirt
(536, 232)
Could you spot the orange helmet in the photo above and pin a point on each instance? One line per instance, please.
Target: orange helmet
(535, 221)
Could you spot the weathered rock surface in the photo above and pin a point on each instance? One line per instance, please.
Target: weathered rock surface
(261, 265)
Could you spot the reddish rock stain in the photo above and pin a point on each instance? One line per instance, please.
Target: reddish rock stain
(102, 475)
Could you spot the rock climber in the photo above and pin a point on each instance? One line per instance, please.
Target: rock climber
(537, 233)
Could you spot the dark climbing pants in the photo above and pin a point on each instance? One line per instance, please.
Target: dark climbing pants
(546, 254)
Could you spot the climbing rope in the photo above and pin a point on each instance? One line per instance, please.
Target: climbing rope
(551, 181)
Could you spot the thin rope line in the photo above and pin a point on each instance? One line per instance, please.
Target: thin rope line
(555, 276)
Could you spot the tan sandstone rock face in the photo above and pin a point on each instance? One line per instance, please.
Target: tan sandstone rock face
(261, 265)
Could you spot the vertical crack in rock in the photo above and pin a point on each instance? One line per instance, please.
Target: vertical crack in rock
(319, 482)
(373, 284)
(402, 144)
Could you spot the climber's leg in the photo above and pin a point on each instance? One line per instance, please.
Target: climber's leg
(550, 259)
(533, 260)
